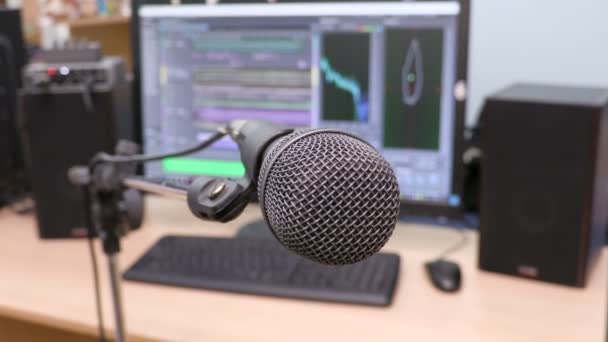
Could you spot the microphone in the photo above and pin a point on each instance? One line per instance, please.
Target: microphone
(325, 194)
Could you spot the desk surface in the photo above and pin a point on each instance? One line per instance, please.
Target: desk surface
(50, 281)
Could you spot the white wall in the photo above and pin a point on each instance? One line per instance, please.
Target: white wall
(555, 41)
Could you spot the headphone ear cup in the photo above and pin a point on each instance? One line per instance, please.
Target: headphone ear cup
(134, 205)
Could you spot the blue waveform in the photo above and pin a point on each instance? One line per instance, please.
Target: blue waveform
(350, 85)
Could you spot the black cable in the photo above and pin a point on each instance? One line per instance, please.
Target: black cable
(100, 325)
(107, 158)
(87, 99)
(90, 110)
(21, 205)
(90, 237)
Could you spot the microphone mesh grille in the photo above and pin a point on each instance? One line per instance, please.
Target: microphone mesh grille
(328, 196)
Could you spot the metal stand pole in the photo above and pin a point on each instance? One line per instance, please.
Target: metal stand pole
(111, 212)
(110, 235)
(119, 323)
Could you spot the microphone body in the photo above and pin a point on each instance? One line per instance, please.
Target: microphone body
(326, 195)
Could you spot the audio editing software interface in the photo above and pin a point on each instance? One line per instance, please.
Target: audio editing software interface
(383, 71)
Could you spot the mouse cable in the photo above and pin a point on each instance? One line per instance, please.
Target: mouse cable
(462, 241)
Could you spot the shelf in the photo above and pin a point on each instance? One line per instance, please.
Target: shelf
(99, 21)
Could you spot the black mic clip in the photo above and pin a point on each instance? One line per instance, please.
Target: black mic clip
(223, 199)
(218, 199)
(112, 210)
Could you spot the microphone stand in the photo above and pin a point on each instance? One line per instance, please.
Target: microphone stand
(110, 214)
(114, 206)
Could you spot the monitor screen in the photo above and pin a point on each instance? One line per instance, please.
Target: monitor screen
(383, 71)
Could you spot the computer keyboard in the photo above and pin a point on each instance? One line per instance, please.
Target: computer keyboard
(263, 267)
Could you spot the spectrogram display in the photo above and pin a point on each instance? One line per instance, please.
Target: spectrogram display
(344, 67)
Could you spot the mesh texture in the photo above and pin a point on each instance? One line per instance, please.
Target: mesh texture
(329, 196)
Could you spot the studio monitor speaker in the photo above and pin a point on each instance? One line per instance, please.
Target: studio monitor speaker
(59, 131)
(544, 183)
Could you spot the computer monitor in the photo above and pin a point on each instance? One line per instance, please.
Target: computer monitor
(390, 72)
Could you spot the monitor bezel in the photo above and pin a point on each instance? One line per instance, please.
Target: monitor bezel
(407, 207)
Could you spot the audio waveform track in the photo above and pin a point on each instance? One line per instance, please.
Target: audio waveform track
(253, 77)
(283, 44)
(345, 73)
(259, 49)
(256, 74)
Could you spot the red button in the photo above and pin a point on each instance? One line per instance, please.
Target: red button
(51, 71)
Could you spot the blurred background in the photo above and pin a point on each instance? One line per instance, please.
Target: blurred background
(492, 115)
(504, 40)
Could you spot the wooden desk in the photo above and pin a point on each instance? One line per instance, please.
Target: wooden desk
(49, 282)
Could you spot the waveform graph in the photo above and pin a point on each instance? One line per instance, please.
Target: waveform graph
(344, 68)
(412, 74)
(413, 88)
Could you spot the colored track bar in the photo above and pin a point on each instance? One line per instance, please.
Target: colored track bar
(191, 166)
(256, 104)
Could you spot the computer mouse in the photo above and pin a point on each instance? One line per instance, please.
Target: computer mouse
(445, 275)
